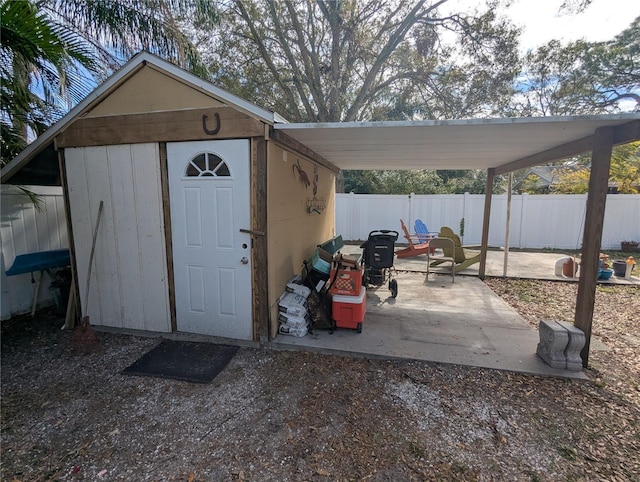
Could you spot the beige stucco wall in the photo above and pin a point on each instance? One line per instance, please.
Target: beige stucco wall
(293, 233)
(151, 91)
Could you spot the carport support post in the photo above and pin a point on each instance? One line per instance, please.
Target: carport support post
(491, 173)
(594, 219)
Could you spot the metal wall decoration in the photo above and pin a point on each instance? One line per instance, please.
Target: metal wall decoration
(316, 205)
(300, 174)
(315, 181)
(214, 131)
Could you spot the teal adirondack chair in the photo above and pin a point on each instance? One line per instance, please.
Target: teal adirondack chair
(422, 232)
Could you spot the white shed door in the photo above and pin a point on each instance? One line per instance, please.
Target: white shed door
(209, 199)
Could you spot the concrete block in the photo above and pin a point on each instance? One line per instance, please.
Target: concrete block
(559, 264)
(554, 338)
(574, 346)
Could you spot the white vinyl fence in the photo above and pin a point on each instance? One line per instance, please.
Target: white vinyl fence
(24, 229)
(537, 221)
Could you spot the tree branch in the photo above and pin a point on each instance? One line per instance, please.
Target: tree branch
(265, 55)
(313, 80)
(394, 40)
(293, 64)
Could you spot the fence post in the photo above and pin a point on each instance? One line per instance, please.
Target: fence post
(466, 204)
(412, 215)
(522, 220)
(351, 218)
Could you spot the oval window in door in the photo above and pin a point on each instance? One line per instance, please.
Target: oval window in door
(207, 164)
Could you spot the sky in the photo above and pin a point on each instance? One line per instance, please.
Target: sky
(541, 22)
(601, 21)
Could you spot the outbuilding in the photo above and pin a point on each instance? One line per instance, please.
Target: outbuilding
(186, 173)
(211, 203)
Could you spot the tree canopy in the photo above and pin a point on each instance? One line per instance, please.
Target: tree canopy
(318, 61)
(34, 50)
(624, 173)
(54, 51)
(329, 61)
(419, 182)
(582, 77)
(585, 78)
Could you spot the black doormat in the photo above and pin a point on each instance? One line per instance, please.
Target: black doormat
(183, 360)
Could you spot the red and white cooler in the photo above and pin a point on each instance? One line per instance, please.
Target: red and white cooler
(347, 281)
(348, 311)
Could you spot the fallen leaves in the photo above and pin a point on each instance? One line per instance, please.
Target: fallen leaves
(306, 416)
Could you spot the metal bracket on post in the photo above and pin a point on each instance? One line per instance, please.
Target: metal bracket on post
(252, 232)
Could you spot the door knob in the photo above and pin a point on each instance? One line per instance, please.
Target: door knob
(244, 260)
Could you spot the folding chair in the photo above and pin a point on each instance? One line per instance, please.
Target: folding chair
(447, 246)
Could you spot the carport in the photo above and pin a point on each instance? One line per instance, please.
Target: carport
(118, 143)
(497, 145)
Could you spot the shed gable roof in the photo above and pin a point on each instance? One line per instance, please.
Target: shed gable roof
(152, 90)
(107, 94)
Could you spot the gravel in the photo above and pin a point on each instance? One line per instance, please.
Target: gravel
(282, 416)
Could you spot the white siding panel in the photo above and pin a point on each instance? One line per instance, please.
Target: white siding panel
(61, 222)
(81, 223)
(150, 222)
(104, 297)
(473, 217)
(21, 231)
(344, 217)
(41, 229)
(380, 212)
(126, 235)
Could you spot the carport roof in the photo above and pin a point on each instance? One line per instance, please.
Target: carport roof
(455, 144)
(504, 144)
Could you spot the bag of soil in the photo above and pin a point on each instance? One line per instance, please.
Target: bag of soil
(318, 304)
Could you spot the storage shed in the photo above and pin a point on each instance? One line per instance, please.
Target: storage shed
(187, 173)
(212, 201)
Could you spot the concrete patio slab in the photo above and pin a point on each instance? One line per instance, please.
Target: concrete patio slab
(520, 264)
(462, 323)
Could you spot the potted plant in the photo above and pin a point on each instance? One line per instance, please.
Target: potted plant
(628, 246)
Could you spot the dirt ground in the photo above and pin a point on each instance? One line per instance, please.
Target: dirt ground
(302, 416)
